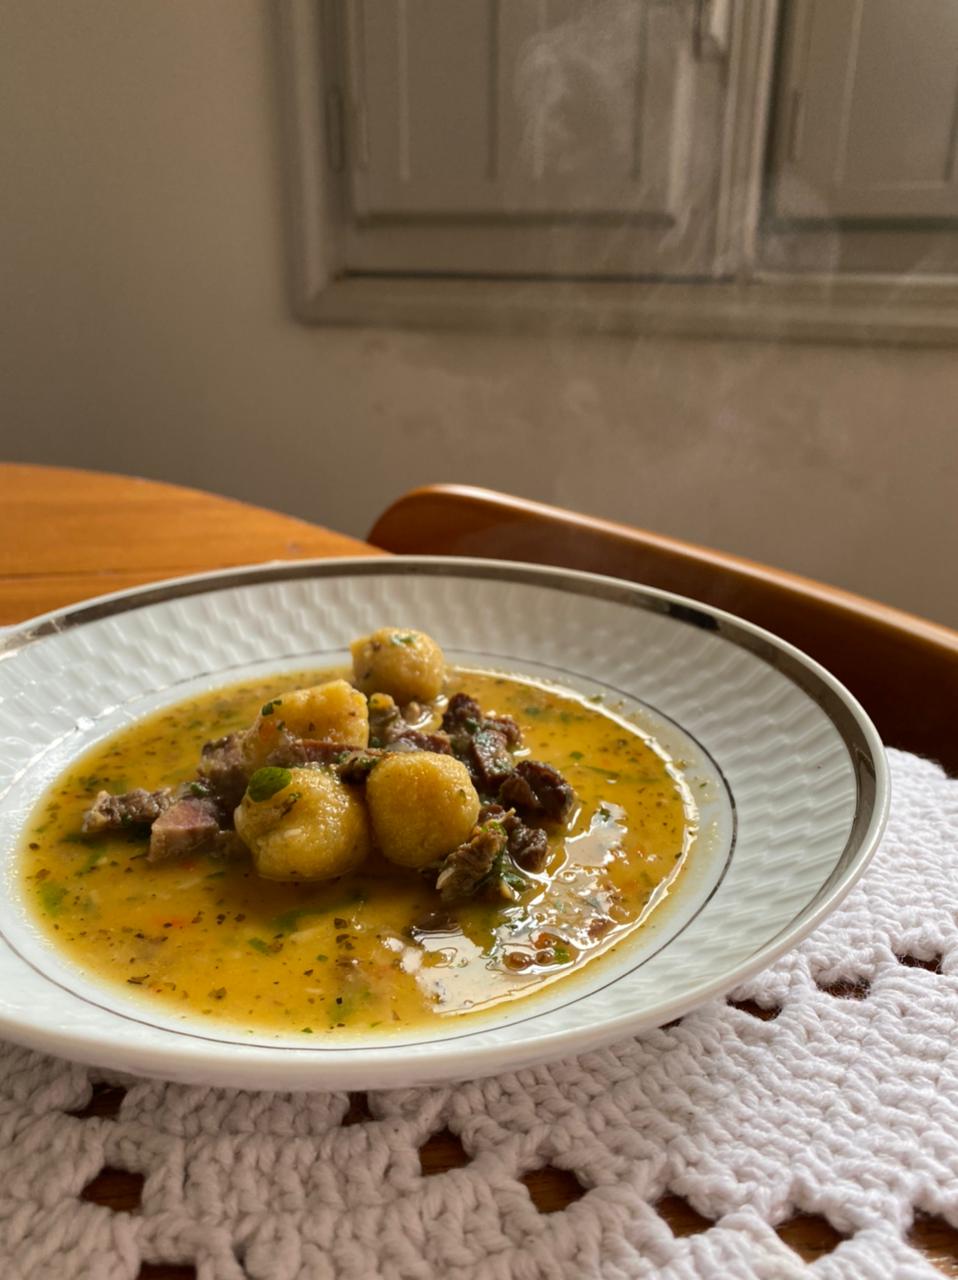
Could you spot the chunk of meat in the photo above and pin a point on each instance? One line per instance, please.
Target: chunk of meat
(293, 753)
(414, 740)
(352, 763)
(224, 768)
(226, 771)
(507, 727)
(390, 728)
(469, 866)
(462, 715)
(481, 742)
(190, 825)
(528, 847)
(537, 790)
(355, 769)
(491, 862)
(136, 808)
(489, 759)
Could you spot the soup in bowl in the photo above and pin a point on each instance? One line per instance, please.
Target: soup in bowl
(367, 850)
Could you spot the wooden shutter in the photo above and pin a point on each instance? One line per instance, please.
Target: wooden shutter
(577, 137)
(869, 111)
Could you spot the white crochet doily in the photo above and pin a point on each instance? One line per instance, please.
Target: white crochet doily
(841, 1107)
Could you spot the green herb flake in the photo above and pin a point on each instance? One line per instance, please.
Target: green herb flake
(90, 862)
(74, 837)
(514, 878)
(575, 755)
(322, 958)
(609, 774)
(266, 782)
(268, 708)
(402, 638)
(259, 945)
(289, 920)
(51, 897)
(306, 1031)
(561, 954)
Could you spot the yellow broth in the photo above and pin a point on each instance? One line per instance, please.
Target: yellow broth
(371, 952)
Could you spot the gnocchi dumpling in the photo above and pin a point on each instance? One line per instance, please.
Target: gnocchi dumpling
(302, 824)
(422, 805)
(408, 665)
(332, 712)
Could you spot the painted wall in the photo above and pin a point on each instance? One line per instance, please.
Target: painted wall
(144, 328)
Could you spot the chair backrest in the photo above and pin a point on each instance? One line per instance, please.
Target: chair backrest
(903, 669)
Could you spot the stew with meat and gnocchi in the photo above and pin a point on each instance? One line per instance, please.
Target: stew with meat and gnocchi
(333, 853)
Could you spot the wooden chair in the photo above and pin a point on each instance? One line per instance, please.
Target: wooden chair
(903, 669)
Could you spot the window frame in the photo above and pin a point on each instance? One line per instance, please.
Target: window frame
(752, 300)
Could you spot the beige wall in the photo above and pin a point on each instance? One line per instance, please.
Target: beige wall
(145, 329)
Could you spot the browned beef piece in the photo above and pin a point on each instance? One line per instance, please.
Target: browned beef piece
(516, 792)
(461, 721)
(351, 763)
(462, 715)
(537, 790)
(389, 728)
(356, 767)
(465, 869)
(292, 753)
(224, 769)
(481, 742)
(132, 809)
(507, 727)
(490, 863)
(528, 847)
(488, 759)
(414, 740)
(189, 825)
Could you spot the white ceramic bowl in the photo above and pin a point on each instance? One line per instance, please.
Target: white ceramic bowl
(791, 770)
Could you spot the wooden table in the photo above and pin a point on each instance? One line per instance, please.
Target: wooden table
(67, 535)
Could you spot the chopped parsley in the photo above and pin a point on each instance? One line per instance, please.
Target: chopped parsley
(51, 897)
(93, 857)
(265, 783)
